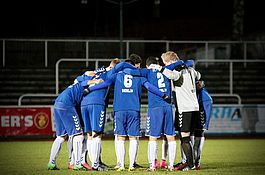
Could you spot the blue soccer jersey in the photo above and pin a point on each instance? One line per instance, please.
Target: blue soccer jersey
(205, 105)
(160, 114)
(72, 95)
(127, 90)
(96, 97)
(127, 94)
(99, 96)
(160, 81)
(93, 106)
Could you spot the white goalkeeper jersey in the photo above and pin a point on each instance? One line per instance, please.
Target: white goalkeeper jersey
(186, 94)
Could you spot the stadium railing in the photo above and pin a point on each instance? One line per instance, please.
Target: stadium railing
(96, 63)
(167, 44)
(97, 60)
(230, 70)
(34, 95)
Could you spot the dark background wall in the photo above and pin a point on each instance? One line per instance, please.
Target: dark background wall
(171, 19)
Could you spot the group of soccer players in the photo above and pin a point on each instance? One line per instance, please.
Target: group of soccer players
(174, 104)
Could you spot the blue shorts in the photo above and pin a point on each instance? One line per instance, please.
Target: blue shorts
(160, 120)
(93, 117)
(127, 123)
(66, 121)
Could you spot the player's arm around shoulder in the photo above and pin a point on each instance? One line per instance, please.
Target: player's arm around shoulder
(172, 75)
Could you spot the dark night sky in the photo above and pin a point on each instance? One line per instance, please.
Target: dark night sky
(177, 20)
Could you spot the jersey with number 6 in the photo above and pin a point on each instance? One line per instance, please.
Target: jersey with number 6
(127, 92)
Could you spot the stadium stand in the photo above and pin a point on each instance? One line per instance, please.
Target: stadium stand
(249, 83)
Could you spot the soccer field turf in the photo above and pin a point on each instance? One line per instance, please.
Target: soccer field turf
(237, 157)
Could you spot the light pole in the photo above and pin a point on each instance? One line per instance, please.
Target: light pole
(121, 3)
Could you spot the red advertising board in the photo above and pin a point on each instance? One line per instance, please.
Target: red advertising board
(25, 121)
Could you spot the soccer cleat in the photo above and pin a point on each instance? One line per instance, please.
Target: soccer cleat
(170, 168)
(117, 166)
(52, 167)
(79, 167)
(163, 164)
(180, 166)
(151, 169)
(156, 164)
(86, 166)
(187, 168)
(99, 168)
(135, 165)
(198, 167)
(103, 165)
(70, 166)
(131, 169)
(121, 169)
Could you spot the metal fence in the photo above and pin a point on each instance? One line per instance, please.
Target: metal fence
(46, 52)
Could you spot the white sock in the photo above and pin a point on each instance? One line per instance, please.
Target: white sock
(77, 148)
(121, 152)
(132, 152)
(198, 146)
(84, 150)
(56, 147)
(156, 152)
(115, 143)
(95, 151)
(171, 153)
(72, 158)
(88, 144)
(164, 150)
(152, 147)
(70, 148)
(137, 148)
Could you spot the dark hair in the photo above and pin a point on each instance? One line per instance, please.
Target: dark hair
(135, 58)
(129, 61)
(152, 60)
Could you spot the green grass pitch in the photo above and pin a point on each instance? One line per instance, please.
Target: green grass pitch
(228, 157)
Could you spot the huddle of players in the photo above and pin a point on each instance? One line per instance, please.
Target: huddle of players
(176, 80)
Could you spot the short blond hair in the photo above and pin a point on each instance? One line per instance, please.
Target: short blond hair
(114, 62)
(169, 56)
